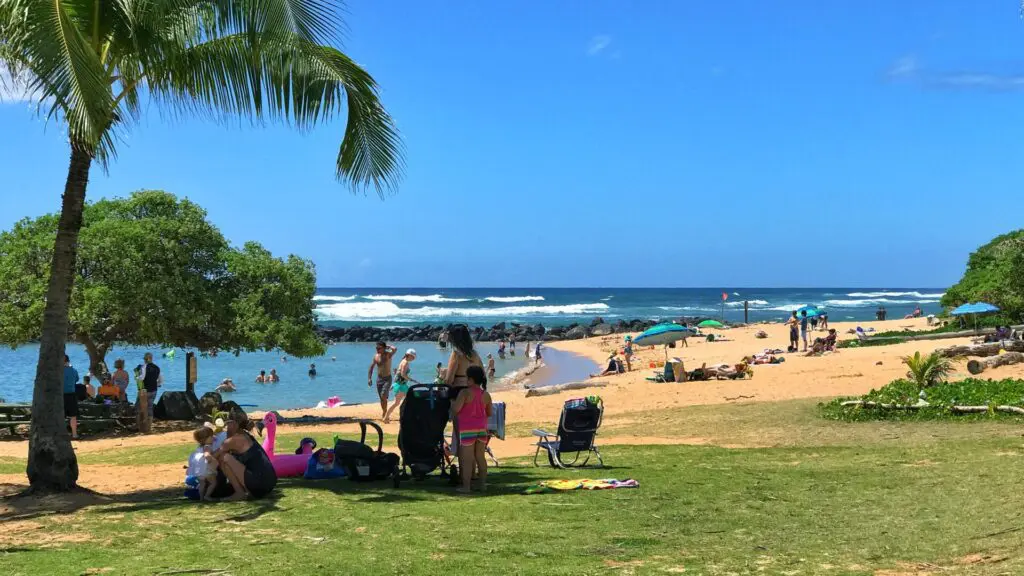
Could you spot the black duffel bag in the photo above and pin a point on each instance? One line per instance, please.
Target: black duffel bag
(363, 463)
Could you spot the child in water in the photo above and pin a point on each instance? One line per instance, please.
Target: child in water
(202, 464)
(473, 407)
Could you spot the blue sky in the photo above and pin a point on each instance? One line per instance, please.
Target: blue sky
(619, 143)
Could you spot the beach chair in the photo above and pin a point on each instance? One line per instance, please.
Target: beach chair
(577, 430)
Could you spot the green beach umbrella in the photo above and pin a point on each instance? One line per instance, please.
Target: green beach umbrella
(710, 324)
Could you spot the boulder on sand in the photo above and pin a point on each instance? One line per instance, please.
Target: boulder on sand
(577, 333)
(176, 406)
(602, 330)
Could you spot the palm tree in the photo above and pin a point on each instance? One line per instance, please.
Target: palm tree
(92, 63)
(927, 370)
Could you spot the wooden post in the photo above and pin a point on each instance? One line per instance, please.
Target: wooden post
(746, 312)
(191, 373)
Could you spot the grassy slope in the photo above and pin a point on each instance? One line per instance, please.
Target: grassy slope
(831, 498)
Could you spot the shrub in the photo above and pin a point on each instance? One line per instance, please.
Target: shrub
(940, 397)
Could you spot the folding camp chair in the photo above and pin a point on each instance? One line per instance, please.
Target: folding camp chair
(577, 430)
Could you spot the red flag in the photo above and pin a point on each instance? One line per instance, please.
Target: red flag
(725, 296)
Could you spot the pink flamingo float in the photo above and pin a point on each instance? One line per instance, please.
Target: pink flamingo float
(285, 465)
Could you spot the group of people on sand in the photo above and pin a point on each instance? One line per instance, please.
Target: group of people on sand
(471, 404)
(798, 328)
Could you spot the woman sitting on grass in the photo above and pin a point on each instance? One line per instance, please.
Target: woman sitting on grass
(473, 408)
(242, 463)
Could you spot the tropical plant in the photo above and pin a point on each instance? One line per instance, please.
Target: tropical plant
(927, 370)
(151, 270)
(92, 63)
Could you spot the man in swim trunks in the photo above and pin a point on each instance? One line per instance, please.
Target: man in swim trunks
(382, 361)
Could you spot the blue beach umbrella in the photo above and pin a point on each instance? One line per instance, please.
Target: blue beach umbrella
(663, 335)
(812, 311)
(975, 308)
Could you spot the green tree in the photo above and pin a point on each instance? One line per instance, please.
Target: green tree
(93, 62)
(995, 274)
(151, 271)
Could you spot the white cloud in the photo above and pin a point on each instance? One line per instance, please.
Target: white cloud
(908, 69)
(905, 66)
(365, 263)
(598, 44)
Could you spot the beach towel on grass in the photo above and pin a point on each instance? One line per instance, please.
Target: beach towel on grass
(549, 486)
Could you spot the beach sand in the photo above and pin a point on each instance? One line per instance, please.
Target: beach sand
(849, 372)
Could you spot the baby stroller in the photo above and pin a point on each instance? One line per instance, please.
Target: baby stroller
(424, 416)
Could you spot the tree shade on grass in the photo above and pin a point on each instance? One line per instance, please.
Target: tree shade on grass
(93, 63)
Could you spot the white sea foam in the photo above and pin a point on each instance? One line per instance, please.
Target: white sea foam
(320, 298)
(607, 298)
(753, 304)
(435, 298)
(507, 299)
(383, 310)
(685, 309)
(896, 294)
(787, 307)
(874, 302)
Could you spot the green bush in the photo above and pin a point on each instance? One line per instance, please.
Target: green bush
(969, 392)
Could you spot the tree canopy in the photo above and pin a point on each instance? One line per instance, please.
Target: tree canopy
(995, 274)
(153, 271)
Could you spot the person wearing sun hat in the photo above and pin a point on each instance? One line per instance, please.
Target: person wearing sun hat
(401, 386)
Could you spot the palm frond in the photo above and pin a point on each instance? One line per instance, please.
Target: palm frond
(43, 38)
(281, 77)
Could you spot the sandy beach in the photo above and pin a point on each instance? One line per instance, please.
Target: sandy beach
(848, 372)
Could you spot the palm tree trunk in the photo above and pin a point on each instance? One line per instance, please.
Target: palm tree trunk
(52, 465)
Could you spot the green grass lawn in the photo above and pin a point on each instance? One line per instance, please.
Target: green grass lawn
(907, 497)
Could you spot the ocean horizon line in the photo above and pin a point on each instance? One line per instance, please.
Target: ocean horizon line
(751, 287)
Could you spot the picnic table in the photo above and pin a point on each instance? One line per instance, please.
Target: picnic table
(91, 415)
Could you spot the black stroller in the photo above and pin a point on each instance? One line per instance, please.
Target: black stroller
(424, 416)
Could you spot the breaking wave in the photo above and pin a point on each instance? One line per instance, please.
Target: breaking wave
(384, 310)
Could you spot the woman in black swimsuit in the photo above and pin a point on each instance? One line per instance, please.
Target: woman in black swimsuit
(243, 463)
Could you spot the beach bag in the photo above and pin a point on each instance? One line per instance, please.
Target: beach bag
(363, 463)
(324, 464)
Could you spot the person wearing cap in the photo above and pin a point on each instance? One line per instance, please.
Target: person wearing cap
(401, 385)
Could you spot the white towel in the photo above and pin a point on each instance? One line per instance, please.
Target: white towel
(496, 423)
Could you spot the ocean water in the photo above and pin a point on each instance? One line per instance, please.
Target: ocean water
(345, 375)
(559, 306)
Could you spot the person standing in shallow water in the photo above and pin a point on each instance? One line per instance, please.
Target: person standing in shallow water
(382, 362)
